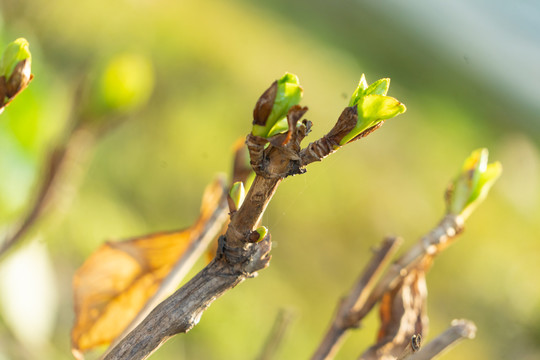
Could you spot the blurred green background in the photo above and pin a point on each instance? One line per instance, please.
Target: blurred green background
(468, 74)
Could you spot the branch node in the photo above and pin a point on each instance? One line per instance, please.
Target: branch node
(247, 259)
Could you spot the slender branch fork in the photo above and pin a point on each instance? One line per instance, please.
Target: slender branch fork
(365, 295)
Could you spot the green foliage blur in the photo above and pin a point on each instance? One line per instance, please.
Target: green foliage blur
(213, 59)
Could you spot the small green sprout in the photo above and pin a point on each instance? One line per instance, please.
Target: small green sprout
(263, 231)
(258, 234)
(281, 96)
(237, 194)
(472, 184)
(373, 106)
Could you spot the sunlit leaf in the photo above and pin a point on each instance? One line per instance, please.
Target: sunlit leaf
(114, 283)
(373, 107)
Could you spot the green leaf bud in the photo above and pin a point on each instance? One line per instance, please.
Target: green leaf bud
(373, 106)
(263, 231)
(237, 194)
(372, 109)
(472, 184)
(15, 70)
(258, 234)
(282, 95)
(14, 53)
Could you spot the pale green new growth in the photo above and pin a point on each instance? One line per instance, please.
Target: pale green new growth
(472, 184)
(289, 93)
(373, 106)
(14, 53)
(237, 194)
(379, 87)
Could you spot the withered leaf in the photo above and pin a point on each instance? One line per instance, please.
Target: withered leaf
(402, 314)
(115, 282)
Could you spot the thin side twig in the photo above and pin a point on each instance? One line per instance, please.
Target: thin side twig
(274, 340)
(459, 330)
(356, 299)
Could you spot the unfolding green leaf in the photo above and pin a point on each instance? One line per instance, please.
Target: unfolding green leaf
(373, 109)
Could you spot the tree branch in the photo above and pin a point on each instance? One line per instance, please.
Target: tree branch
(238, 256)
(183, 310)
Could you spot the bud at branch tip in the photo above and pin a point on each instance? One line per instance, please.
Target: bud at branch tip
(472, 184)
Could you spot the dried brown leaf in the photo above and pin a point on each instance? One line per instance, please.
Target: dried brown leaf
(115, 282)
